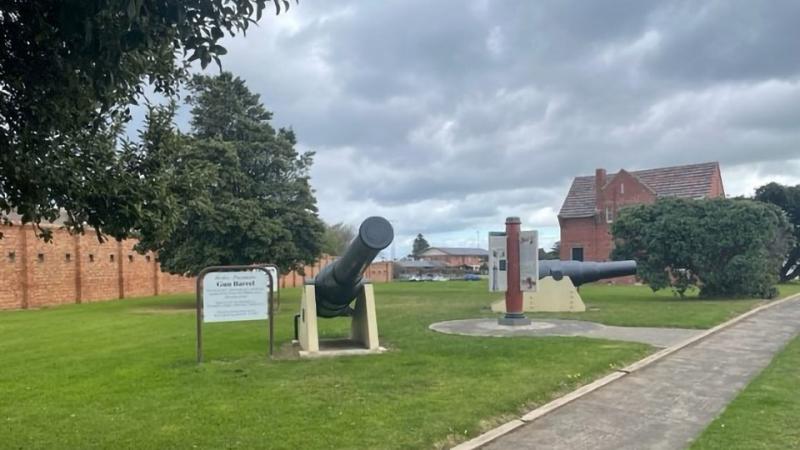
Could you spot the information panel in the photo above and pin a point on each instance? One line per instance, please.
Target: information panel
(235, 296)
(497, 262)
(528, 260)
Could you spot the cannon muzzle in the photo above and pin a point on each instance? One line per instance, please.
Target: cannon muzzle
(339, 283)
(585, 272)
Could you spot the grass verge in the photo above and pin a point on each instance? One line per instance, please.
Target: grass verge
(764, 415)
(638, 306)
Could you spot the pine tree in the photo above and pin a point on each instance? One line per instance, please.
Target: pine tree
(420, 245)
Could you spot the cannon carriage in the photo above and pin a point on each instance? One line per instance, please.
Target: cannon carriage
(339, 290)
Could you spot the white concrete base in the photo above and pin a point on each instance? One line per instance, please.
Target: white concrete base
(363, 327)
(551, 296)
(307, 332)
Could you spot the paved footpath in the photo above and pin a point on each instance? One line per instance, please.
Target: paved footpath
(670, 402)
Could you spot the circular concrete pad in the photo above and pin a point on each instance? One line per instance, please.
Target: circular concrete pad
(658, 337)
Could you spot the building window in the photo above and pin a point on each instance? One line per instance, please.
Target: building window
(111, 258)
(147, 258)
(609, 215)
(12, 256)
(40, 257)
(91, 258)
(577, 254)
(130, 258)
(622, 188)
(67, 257)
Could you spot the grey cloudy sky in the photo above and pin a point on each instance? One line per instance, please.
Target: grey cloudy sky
(448, 116)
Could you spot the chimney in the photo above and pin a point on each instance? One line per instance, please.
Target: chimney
(599, 182)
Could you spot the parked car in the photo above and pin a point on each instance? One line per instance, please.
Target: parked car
(471, 277)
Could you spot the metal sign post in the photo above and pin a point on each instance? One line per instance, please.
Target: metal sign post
(235, 297)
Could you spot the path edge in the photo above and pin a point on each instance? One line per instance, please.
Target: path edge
(586, 389)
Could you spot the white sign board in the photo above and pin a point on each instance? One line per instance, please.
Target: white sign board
(497, 262)
(235, 296)
(528, 260)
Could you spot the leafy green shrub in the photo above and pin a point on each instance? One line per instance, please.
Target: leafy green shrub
(788, 199)
(724, 247)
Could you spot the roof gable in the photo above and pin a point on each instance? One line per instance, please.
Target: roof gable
(689, 181)
(622, 175)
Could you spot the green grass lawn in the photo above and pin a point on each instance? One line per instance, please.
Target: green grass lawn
(122, 374)
(765, 415)
(638, 306)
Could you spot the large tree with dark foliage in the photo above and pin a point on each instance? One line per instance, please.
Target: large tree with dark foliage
(788, 199)
(69, 70)
(241, 190)
(724, 247)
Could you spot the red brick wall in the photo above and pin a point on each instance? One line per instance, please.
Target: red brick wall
(380, 272)
(624, 190)
(12, 275)
(99, 273)
(139, 272)
(175, 284)
(71, 269)
(48, 265)
(584, 233)
(717, 189)
(78, 269)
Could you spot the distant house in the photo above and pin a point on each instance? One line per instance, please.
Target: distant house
(456, 256)
(419, 264)
(407, 268)
(594, 201)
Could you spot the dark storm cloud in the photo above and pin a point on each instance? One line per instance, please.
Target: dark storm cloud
(448, 115)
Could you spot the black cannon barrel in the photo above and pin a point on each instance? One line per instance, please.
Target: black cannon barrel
(338, 284)
(585, 272)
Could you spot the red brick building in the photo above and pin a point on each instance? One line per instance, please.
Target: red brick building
(594, 201)
(456, 256)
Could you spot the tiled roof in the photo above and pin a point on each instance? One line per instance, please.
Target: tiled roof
(461, 251)
(690, 181)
